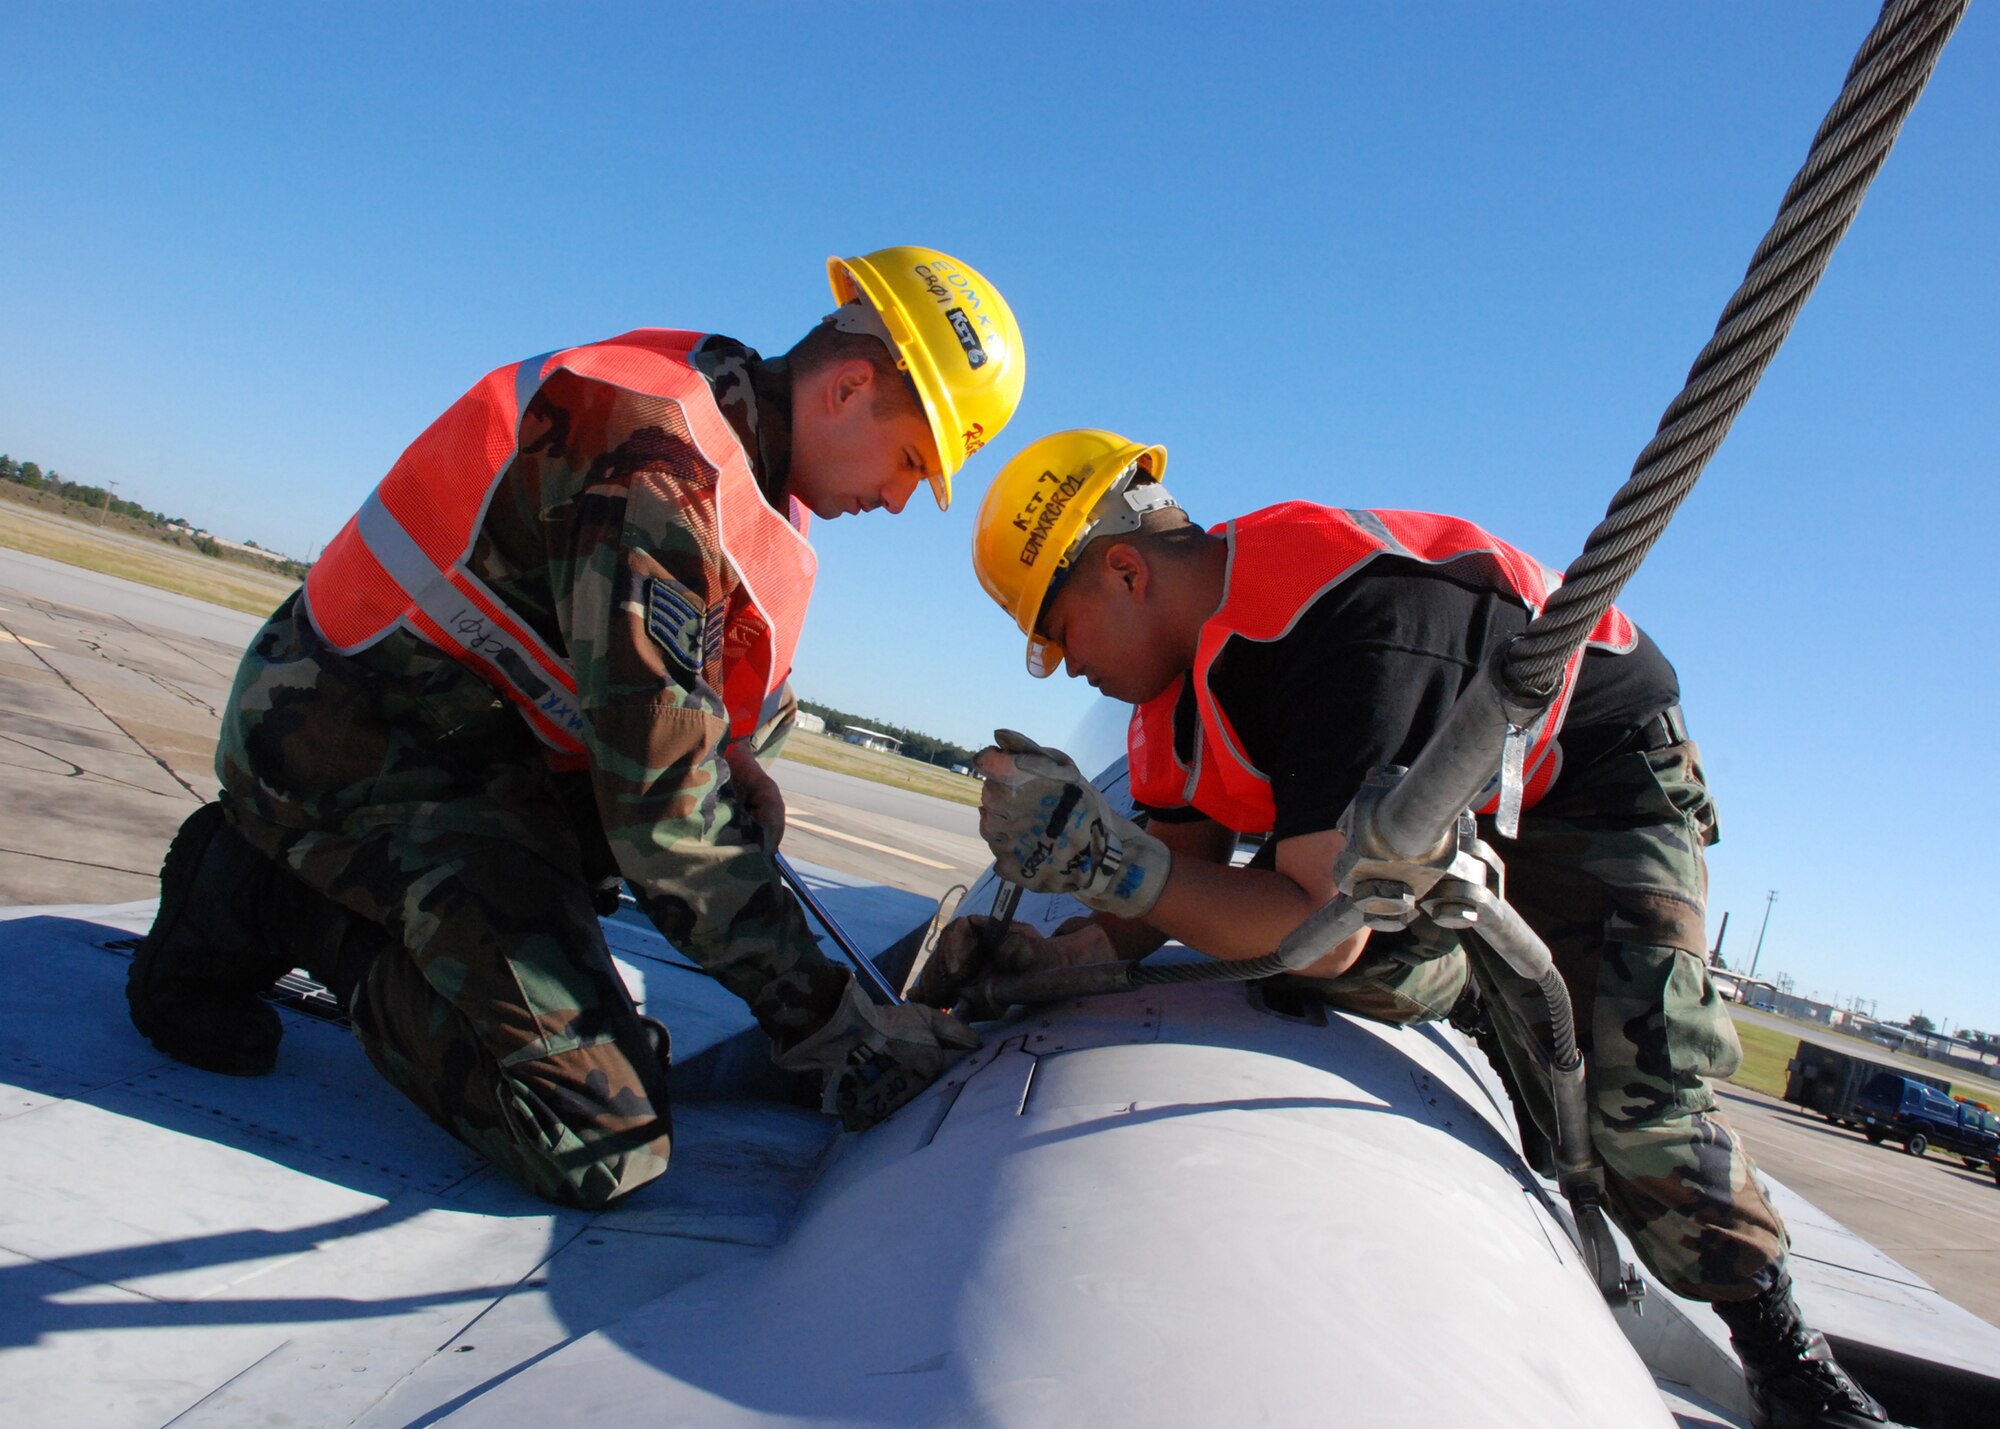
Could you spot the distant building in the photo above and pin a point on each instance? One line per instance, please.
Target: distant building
(1764, 999)
(1937, 1047)
(873, 739)
(811, 723)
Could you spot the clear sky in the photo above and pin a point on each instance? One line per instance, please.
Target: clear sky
(1450, 257)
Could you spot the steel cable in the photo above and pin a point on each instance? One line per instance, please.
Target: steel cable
(1889, 72)
(1207, 970)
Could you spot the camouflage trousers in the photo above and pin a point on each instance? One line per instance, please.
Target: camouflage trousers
(1611, 875)
(1400, 978)
(1404, 978)
(479, 984)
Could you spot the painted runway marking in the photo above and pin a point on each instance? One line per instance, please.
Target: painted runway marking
(825, 832)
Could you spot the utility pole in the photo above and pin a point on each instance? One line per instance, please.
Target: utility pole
(1715, 953)
(1760, 932)
(107, 503)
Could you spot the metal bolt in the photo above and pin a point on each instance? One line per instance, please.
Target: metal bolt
(1384, 903)
(1452, 912)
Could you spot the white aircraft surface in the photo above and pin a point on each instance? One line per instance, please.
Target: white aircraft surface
(1190, 1205)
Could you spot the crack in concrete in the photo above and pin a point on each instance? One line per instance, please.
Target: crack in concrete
(105, 652)
(77, 862)
(109, 719)
(75, 770)
(79, 771)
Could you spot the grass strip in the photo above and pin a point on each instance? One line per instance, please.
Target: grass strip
(824, 752)
(1767, 1054)
(202, 577)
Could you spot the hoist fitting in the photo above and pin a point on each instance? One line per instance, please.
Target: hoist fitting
(1384, 885)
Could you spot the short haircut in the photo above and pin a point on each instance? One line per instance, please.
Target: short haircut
(828, 346)
(1167, 534)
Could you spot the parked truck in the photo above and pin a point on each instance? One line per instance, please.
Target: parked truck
(1895, 1107)
(1829, 1082)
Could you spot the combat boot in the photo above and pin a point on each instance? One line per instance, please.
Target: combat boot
(195, 979)
(1793, 1378)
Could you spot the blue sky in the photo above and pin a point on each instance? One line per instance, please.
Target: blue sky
(1437, 256)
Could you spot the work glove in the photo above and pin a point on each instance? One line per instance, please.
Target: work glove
(1051, 831)
(874, 1058)
(965, 954)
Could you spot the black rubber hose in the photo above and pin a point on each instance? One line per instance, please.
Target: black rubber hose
(1562, 1020)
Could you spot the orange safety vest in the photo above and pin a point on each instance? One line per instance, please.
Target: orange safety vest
(1281, 560)
(400, 562)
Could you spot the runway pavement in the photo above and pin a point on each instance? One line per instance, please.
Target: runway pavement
(911, 841)
(109, 700)
(1929, 1212)
(109, 694)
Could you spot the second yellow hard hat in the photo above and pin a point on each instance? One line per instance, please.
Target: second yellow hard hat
(1043, 508)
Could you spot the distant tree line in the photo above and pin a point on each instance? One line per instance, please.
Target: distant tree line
(97, 498)
(916, 745)
(31, 475)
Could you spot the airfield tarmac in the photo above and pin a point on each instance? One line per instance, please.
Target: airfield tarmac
(109, 699)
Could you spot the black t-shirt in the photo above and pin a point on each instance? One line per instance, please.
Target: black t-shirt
(1366, 673)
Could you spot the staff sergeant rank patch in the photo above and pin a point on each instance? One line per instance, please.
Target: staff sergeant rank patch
(678, 623)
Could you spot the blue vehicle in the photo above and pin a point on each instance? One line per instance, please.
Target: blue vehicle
(1898, 1108)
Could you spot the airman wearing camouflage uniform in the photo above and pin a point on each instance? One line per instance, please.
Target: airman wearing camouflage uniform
(395, 823)
(1274, 661)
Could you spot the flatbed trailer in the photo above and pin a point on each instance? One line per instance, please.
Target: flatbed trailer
(1828, 1081)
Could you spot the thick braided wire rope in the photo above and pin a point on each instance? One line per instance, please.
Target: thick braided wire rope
(1889, 72)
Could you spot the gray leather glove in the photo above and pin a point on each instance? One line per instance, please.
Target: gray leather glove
(874, 1058)
(964, 955)
(1051, 831)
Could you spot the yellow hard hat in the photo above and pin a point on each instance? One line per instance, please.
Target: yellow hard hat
(1058, 494)
(956, 337)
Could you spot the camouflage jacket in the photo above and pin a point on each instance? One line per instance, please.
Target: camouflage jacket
(401, 735)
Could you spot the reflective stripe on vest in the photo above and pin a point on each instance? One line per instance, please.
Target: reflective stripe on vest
(1281, 560)
(399, 563)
